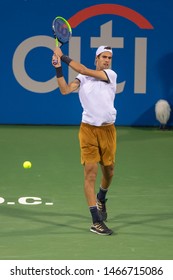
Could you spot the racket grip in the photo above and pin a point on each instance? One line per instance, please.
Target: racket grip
(56, 42)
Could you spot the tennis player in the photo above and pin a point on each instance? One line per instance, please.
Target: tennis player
(97, 133)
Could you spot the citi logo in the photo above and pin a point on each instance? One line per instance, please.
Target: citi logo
(75, 50)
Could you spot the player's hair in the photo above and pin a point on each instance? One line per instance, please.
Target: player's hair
(107, 48)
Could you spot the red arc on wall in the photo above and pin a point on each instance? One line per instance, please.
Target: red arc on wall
(111, 9)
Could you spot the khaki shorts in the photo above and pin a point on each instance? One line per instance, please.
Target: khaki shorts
(97, 144)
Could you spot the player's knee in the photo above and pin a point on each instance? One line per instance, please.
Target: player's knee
(90, 176)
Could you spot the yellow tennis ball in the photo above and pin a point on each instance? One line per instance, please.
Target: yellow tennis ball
(27, 164)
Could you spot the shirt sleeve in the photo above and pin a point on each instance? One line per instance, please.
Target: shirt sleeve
(79, 77)
(112, 76)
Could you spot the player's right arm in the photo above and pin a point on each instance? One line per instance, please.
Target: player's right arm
(63, 86)
(67, 88)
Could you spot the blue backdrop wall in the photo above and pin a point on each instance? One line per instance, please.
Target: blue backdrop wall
(140, 33)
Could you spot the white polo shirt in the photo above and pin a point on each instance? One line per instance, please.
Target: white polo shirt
(97, 99)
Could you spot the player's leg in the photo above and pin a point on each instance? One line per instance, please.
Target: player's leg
(107, 175)
(90, 158)
(107, 142)
(90, 174)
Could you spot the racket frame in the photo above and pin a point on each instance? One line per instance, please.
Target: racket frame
(68, 26)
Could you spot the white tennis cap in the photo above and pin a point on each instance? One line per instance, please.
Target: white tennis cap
(102, 49)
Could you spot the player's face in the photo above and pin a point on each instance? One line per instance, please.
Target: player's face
(103, 61)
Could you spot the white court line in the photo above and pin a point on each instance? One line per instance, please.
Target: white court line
(11, 203)
(49, 203)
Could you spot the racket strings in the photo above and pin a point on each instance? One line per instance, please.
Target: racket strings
(61, 31)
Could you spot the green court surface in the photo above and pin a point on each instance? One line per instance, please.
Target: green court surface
(49, 218)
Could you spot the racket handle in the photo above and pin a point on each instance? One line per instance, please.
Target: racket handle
(56, 42)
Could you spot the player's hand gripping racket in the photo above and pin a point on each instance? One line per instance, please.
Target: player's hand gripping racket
(62, 30)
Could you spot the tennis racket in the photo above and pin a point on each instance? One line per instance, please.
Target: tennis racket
(62, 30)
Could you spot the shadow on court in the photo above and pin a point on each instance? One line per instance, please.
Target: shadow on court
(72, 222)
(44, 218)
(152, 221)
